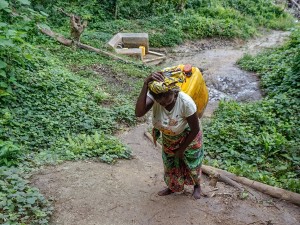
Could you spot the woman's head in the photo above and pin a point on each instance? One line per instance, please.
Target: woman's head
(166, 98)
(164, 92)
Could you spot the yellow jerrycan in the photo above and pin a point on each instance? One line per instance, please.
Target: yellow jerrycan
(193, 84)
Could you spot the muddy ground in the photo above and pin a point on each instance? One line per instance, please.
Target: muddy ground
(88, 192)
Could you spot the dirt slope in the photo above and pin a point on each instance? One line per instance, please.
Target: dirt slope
(87, 193)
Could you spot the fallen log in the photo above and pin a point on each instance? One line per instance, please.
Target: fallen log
(264, 188)
(221, 177)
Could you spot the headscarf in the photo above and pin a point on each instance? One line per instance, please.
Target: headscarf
(170, 82)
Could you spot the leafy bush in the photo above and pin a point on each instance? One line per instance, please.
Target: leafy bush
(10, 154)
(83, 146)
(19, 202)
(46, 111)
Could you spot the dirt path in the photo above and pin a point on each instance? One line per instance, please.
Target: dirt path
(87, 192)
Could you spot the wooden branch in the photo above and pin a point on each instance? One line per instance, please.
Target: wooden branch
(63, 12)
(61, 39)
(296, 4)
(90, 48)
(77, 27)
(233, 179)
(264, 188)
(149, 136)
(67, 42)
(222, 177)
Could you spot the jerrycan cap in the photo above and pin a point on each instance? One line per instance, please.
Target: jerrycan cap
(187, 69)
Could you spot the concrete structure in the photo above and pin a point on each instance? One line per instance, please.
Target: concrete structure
(132, 44)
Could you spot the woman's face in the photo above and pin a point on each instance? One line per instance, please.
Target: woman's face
(166, 100)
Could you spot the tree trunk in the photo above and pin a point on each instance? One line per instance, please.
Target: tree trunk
(77, 27)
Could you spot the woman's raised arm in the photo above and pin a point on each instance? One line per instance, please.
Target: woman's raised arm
(144, 103)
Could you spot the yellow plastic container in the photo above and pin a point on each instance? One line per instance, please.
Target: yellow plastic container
(194, 85)
(143, 50)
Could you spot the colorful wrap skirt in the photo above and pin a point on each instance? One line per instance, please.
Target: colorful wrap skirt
(186, 171)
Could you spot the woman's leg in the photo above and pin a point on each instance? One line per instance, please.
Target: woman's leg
(173, 176)
(197, 191)
(193, 160)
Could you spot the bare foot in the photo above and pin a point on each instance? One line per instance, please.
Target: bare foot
(196, 193)
(164, 192)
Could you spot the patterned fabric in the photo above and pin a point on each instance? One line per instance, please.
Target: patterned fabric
(180, 172)
(171, 80)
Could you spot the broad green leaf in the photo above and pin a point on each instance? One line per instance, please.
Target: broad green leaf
(3, 84)
(3, 4)
(2, 73)
(44, 14)
(28, 56)
(2, 64)
(11, 32)
(6, 42)
(31, 200)
(3, 24)
(3, 93)
(24, 2)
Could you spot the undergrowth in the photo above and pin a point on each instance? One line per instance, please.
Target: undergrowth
(49, 112)
(169, 23)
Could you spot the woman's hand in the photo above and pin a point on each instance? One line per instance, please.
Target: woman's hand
(179, 153)
(156, 76)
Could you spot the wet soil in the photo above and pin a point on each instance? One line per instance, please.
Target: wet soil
(89, 192)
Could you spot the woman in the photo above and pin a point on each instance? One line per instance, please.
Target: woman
(174, 114)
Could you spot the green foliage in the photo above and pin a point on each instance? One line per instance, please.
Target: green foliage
(9, 153)
(15, 51)
(169, 22)
(261, 140)
(264, 12)
(48, 113)
(279, 69)
(19, 202)
(83, 146)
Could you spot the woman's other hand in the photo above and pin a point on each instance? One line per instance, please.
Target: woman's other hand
(179, 153)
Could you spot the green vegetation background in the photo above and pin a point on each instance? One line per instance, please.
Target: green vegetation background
(58, 103)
